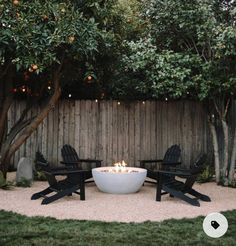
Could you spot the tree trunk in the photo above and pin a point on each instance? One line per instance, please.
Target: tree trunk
(8, 152)
(6, 105)
(226, 148)
(233, 159)
(6, 100)
(216, 150)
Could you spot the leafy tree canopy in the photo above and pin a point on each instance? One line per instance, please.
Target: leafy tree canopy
(36, 36)
(190, 49)
(34, 32)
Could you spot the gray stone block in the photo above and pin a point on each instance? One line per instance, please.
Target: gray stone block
(24, 169)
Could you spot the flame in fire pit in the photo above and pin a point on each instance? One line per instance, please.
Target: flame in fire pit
(120, 167)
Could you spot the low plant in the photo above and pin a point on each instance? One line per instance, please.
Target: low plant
(4, 184)
(206, 175)
(233, 184)
(39, 176)
(24, 182)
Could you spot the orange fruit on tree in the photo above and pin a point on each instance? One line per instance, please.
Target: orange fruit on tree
(34, 67)
(16, 2)
(71, 39)
(45, 17)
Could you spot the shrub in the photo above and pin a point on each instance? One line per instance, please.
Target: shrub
(6, 185)
(206, 175)
(233, 184)
(24, 182)
(39, 176)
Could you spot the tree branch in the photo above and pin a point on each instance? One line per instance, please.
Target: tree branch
(6, 105)
(17, 129)
(195, 46)
(226, 108)
(217, 108)
(23, 114)
(40, 117)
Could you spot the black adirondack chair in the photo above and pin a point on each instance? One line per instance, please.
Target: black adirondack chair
(176, 188)
(73, 183)
(71, 158)
(171, 158)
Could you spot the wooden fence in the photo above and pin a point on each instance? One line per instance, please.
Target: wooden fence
(114, 131)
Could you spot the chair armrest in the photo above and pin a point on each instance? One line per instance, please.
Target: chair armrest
(171, 163)
(89, 160)
(150, 161)
(175, 173)
(43, 164)
(69, 163)
(81, 160)
(179, 169)
(59, 168)
(143, 162)
(66, 171)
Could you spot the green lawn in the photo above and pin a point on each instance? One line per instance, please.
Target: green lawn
(16, 229)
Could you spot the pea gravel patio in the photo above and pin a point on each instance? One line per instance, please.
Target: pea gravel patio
(137, 207)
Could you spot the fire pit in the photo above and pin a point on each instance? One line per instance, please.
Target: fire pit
(119, 179)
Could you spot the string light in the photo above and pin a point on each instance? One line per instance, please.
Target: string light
(23, 89)
(49, 87)
(143, 102)
(69, 95)
(118, 103)
(166, 99)
(96, 100)
(89, 77)
(187, 92)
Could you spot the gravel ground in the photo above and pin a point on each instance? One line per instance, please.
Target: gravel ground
(137, 207)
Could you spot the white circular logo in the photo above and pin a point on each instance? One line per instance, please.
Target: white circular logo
(215, 225)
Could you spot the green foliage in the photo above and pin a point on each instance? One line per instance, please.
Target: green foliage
(24, 182)
(155, 74)
(117, 20)
(43, 32)
(39, 176)
(206, 175)
(16, 229)
(233, 183)
(189, 47)
(5, 185)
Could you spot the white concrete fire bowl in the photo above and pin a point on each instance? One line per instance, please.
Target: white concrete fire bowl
(127, 181)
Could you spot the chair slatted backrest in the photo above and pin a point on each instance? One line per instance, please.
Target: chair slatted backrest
(172, 154)
(196, 168)
(70, 156)
(40, 161)
(43, 165)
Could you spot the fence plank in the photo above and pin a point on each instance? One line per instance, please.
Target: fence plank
(111, 131)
